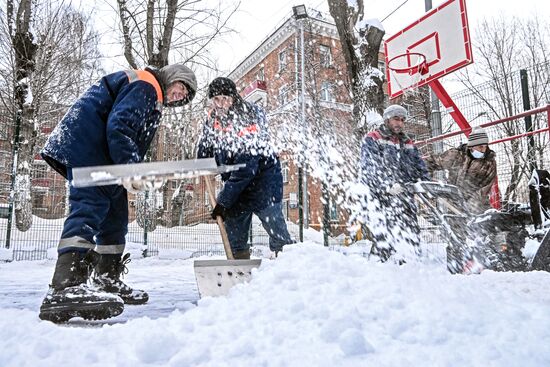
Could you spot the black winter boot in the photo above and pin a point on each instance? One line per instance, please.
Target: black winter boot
(69, 296)
(241, 255)
(108, 272)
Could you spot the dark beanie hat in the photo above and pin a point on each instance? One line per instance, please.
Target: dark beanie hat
(222, 87)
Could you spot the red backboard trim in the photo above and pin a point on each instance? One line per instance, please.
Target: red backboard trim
(452, 68)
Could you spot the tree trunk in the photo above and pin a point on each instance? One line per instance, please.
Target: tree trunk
(366, 79)
(24, 47)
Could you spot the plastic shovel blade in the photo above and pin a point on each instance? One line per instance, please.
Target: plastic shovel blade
(216, 277)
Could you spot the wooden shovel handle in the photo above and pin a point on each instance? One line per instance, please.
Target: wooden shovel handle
(219, 220)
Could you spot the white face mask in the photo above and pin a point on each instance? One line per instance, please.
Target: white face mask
(476, 154)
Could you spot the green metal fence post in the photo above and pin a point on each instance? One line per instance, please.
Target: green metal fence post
(15, 153)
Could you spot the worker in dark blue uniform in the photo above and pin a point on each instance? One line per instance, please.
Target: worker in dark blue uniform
(113, 122)
(235, 132)
(390, 161)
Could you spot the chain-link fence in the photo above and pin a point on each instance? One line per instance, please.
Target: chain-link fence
(158, 222)
(499, 106)
(493, 105)
(177, 218)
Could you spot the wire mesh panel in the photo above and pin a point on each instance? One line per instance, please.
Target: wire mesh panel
(181, 209)
(48, 194)
(495, 100)
(485, 105)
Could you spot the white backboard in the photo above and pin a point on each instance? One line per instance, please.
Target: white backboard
(442, 35)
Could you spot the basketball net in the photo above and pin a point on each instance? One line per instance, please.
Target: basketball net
(406, 71)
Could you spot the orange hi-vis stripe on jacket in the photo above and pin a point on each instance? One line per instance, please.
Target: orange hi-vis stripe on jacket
(251, 129)
(135, 75)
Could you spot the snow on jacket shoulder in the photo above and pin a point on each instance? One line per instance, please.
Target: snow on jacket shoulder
(391, 158)
(243, 139)
(113, 122)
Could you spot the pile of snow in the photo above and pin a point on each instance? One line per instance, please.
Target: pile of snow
(309, 307)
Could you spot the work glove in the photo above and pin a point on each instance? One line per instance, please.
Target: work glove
(396, 189)
(135, 187)
(218, 211)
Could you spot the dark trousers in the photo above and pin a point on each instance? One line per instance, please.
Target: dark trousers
(98, 215)
(237, 225)
(396, 224)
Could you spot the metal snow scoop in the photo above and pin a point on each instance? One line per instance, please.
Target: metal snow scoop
(216, 277)
(149, 172)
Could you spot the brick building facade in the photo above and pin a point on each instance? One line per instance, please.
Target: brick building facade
(271, 76)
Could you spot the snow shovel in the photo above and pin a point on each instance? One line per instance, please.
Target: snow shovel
(216, 277)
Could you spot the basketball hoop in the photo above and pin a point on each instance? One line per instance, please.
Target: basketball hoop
(407, 70)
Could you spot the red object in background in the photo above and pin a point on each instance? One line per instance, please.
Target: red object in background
(256, 84)
(494, 195)
(451, 106)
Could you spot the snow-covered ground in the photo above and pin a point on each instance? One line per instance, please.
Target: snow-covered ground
(309, 307)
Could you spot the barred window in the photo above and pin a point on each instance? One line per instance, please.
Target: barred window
(325, 56)
(282, 60)
(39, 170)
(283, 96)
(326, 92)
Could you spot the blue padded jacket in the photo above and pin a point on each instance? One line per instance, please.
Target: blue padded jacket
(113, 122)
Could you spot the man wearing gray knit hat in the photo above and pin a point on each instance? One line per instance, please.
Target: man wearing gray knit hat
(113, 122)
(170, 76)
(472, 167)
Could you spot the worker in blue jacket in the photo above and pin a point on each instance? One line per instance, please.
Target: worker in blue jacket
(113, 122)
(390, 161)
(235, 132)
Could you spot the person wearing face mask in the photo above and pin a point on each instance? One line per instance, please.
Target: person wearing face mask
(389, 161)
(236, 132)
(471, 167)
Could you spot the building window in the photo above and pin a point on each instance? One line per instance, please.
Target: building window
(326, 92)
(260, 75)
(283, 95)
(40, 169)
(38, 201)
(159, 200)
(382, 66)
(4, 158)
(410, 111)
(333, 211)
(292, 200)
(325, 56)
(282, 60)
(285, 209)
(285, 170)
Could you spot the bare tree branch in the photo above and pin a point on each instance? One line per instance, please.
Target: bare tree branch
(128, 54)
